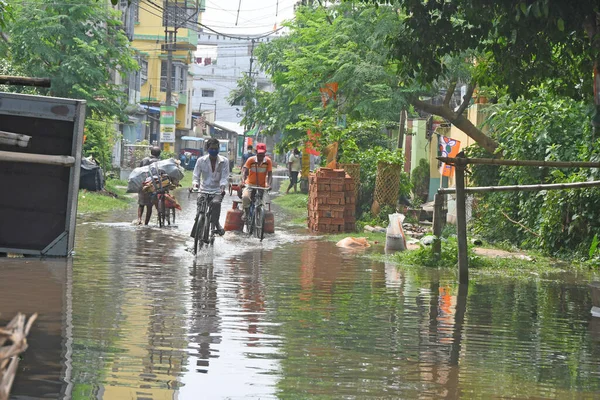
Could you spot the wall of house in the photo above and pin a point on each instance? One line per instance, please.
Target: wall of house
(148, 38)
(420, 144)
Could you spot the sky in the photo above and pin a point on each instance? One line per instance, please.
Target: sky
(255, 16)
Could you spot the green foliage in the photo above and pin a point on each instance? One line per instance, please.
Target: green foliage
(342, 44)
(168, 154)
(5, 13)
(593, 246)
(99, 139)
(247, 93)
(543, 128)
(448, 258)
(76, 45)
(516, 47)
(419, 179)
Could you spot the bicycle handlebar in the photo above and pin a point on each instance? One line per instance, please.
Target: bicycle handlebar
(192, 190)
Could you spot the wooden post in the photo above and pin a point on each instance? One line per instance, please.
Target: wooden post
(438, 223)
(461, 222)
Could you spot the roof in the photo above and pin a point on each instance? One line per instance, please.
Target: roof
(192, 138)
(150, 108)
(230, 126)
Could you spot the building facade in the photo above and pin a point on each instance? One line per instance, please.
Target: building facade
(216, 77)
(149, 37)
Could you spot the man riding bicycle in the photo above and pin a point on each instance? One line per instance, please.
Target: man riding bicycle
(213, 169)
(258, 171)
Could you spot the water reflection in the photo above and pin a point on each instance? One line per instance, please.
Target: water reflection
(136, 316)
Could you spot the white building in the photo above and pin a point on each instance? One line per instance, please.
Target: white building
(216, 76)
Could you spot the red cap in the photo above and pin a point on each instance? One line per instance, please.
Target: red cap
(261, 148)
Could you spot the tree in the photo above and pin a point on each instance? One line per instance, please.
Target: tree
(519, 44)
(348, 50)
(348, 44)
(77, 45)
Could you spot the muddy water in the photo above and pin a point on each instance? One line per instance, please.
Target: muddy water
(136, 316)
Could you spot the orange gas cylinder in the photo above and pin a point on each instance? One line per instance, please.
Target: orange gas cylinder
(269, 222)
(233, 220)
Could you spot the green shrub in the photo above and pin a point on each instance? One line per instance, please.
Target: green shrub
(549, 128)
(100, 136)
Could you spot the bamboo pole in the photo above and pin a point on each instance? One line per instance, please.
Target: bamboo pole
(10, 156)
(24, 81)
(438, 223)
(548, 186)
(461, 222)
(523, 163)
(15, 334)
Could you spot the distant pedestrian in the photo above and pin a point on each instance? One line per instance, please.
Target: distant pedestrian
(247, 155)
(145, 198)
(293, 168)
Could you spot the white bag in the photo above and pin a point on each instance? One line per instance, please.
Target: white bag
(394, 236)
(137, 177)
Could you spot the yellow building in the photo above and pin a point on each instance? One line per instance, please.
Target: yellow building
(149, 39)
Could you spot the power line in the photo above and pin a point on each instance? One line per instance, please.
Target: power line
(259, 36)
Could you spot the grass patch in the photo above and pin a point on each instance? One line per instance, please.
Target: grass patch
(186, 182)
(534, 264)
(294, 204)
(114, 197)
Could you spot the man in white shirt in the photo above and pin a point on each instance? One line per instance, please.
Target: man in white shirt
(294, 166)
(213, 171)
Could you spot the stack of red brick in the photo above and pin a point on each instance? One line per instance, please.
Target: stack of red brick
(331, 201)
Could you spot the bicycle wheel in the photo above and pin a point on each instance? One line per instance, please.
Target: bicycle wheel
(198, 233)
(250, 220)
(259, 223)
(160, 211)
(206, 227)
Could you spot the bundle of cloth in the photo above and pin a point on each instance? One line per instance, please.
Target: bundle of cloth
(138, 176)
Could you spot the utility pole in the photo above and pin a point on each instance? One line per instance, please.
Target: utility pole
(247, 127)
(171, 27)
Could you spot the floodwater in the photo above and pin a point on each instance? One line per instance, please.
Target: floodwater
(135, 316)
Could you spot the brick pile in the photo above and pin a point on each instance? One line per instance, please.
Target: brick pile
(331, 201)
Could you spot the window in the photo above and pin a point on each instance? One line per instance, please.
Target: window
(240, 101)
(208, 93)
(144, 70)
(178, 77)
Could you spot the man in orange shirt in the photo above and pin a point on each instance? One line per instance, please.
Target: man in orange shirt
(258, 171)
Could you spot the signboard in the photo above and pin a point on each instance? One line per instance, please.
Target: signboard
(240, 148)
(167, 147)
(167, 124)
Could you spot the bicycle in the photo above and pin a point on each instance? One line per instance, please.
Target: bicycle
(205, 230)
(159, 185)
(165, 214)
(255, 220)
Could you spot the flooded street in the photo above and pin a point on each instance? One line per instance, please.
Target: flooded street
(135, 316)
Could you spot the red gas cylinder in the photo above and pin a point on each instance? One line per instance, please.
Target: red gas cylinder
(233, 220)
(269, 221)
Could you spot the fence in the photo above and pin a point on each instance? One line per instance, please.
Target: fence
(460, 164)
